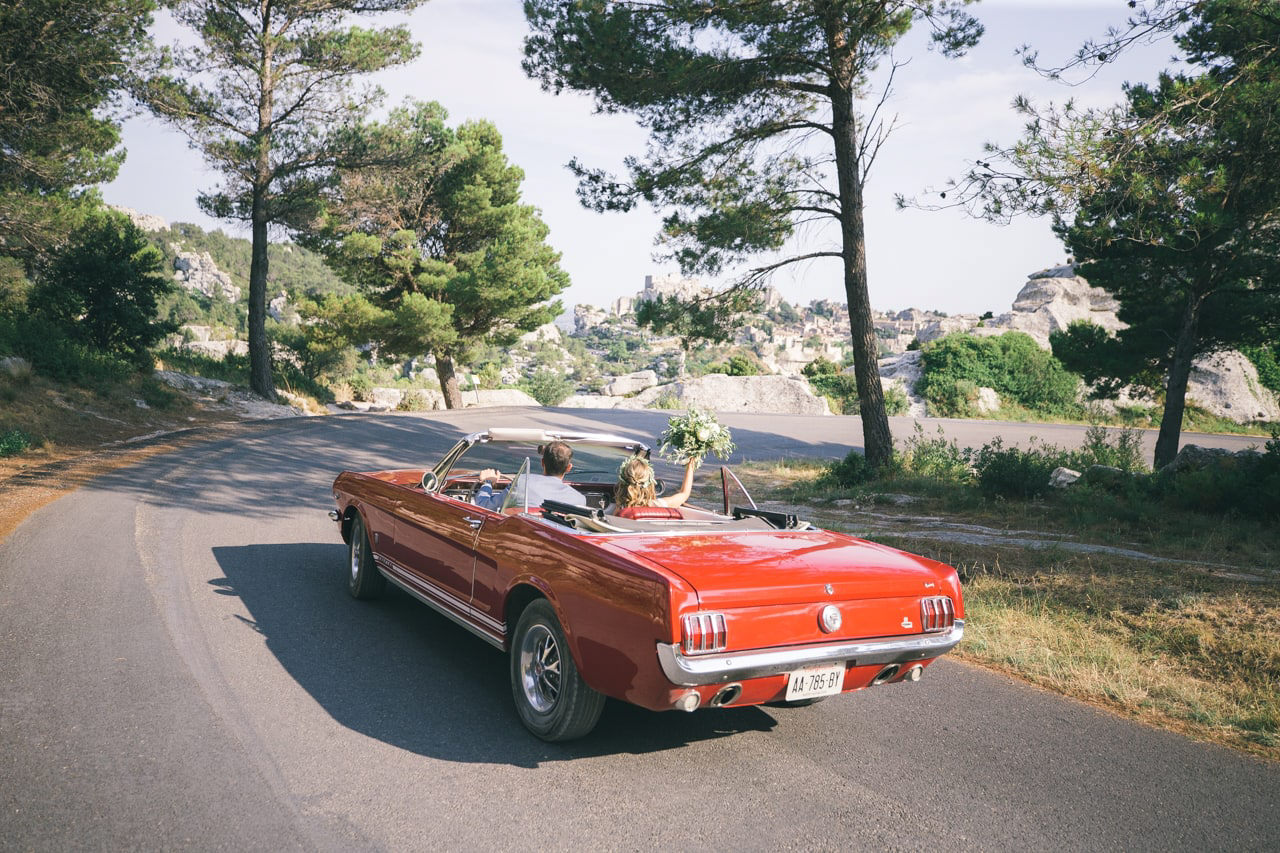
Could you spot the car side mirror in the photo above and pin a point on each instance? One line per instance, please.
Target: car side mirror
(430, 481)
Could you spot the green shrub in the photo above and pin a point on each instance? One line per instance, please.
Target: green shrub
(954, 367)
(849, 472)
(158, 395)
(820, 366)
(13, 442)
(895, 401)
(957, 399)
(840, 389)
(548, 387)
(54, 355)
(1015, 473)
(1125, 452)
(936, 458)
(1267, 361)
(1242, 485)
(361, 387)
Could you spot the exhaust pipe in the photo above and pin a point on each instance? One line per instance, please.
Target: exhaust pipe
(726, 694)
(914, 673)
(885, 674)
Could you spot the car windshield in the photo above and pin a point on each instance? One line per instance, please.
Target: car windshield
(591, 462)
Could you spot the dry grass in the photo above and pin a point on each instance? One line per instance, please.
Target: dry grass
(1188, 646)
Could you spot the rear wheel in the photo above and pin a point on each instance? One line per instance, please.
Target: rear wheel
(551, 698)
(363, 578)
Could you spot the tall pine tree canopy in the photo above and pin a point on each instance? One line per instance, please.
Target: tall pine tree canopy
(761, 118)
(442, 230)
(1170, 201)
(61, 61)
(269, 96)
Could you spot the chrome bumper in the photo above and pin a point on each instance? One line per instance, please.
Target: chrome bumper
(693, 670)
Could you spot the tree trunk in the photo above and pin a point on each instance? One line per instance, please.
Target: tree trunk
(260, 379)
(876, 438)
(1175, 389)
(448, 382)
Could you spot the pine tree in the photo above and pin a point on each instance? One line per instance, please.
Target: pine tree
(268, 97)
(749, 106)
(443, 234)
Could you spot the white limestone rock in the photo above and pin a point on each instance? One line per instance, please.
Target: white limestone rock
(988, 401)
(1227, 385)
(591, 401)
(198, 272)
(903, 371)
(144, 221)
(497, 397)
(1050, 301)
(1063, 477)
(715, 391)
(631, 383)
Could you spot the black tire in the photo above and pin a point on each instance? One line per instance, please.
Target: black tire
(364, 581)
(551, 698)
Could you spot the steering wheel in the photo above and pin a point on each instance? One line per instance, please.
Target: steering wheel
(659, 486)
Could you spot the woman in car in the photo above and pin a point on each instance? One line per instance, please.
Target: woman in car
(637, 485)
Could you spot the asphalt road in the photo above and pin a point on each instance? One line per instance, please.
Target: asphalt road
(181, 668)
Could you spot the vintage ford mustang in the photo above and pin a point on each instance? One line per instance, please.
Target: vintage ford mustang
(665, 608)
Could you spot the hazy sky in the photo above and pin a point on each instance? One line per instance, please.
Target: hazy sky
(470, 62)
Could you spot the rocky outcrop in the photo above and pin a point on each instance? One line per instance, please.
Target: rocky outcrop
(1227, 384)
(144, 221)
(715, 391)
(903, 371)
(497, 397)
(197, 272)
(1051, 300)
(281, 311)
(631, 383)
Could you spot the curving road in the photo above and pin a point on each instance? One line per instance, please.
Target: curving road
(181, 667)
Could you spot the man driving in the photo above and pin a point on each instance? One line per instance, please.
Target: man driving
(557, 461)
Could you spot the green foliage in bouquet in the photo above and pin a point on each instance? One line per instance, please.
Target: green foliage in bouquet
(694, 435)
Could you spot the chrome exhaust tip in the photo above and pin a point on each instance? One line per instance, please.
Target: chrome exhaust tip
(914, 673)
(688, 702)
(726, 694)
(885, 674)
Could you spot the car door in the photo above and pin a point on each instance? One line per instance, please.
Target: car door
(435, 540)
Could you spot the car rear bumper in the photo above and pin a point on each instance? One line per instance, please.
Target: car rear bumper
(694, 670)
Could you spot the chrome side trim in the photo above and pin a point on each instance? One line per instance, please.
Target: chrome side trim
(446, 605)
(691, 671)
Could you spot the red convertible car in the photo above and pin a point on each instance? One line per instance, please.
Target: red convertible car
(666, 608)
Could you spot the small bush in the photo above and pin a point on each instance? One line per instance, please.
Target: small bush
(361, 387)
(820, 366)
(840, 389)
(936, 458)
(666, 400)
(13, 442)
(1125, 452)
(957, 399)
(849, 472)
(895, 401)
(548, 387)
(1015, 473)
(158, 395)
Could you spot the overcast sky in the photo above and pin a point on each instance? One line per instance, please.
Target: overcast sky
(470, 62)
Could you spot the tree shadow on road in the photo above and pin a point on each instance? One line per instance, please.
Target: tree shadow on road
(395, 670)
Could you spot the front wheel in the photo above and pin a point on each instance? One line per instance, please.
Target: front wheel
(363, 578)
(551, 698)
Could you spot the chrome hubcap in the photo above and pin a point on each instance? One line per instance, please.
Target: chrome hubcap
(357, 547)
(540, 668)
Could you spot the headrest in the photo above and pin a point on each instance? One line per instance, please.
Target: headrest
(636, 513)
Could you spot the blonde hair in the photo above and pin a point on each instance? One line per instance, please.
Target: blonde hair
(636, 484)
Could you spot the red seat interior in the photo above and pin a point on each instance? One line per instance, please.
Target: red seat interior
(639, 512)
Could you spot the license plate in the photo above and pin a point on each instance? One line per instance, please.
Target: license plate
(815, 681)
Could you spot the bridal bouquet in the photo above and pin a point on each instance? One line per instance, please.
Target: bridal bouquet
(693, 435)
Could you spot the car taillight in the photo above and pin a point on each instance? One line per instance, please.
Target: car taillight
(705, 632)
(937, 613)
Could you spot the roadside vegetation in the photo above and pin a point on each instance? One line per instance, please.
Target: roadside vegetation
(1157, 596)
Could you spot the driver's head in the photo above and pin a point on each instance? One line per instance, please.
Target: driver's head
(557, 459)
